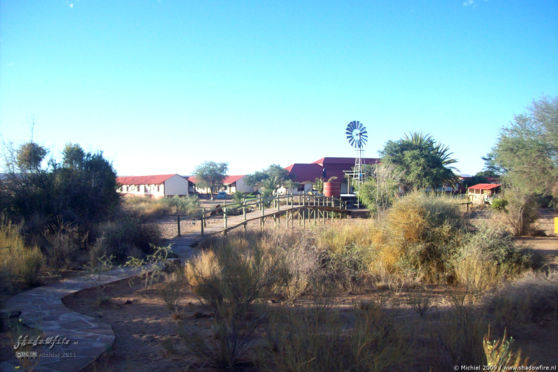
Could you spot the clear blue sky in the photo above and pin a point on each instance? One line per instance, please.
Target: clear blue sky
(161, 86)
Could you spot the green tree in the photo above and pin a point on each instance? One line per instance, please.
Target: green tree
(72, 156)
(269, 180)
(211, 175)
(381, 188)
(422, 161)
(527, 150)
(526, 155)
(30, 156)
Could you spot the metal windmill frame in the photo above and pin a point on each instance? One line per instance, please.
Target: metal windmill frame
(357, 136)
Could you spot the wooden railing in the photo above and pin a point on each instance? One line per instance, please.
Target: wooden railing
(300, 207)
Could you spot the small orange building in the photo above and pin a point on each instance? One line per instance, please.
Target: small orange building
(483, 192)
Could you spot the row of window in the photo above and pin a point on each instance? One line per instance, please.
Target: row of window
(141, 188)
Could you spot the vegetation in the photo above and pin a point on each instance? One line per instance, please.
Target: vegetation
(423, 239)
(270, 179)
(19, 263)
(380, 190)
(423, 162)
(70, 211)
(211, 175)
(526, 156)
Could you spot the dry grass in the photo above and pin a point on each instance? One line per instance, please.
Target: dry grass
(18, 262)
(317, 339)
(531, 299)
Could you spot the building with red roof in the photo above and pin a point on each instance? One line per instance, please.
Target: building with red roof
(231, 184)
(155, 186)
(305, 174)
(483, 192)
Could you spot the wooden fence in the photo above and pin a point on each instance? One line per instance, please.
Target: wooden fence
(301, 208)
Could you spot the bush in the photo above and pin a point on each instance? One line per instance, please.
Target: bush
(531, 299)
(59, 206)
(499, 204)
(64, 246)
(18, 262)
(419, 236)
(493, 251)
(315, 339)
(124, 237)
(459, 337)
(236, 271)
(228, 277)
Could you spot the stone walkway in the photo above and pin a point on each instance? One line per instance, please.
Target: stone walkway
(77, 339)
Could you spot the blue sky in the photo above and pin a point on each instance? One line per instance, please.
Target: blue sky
(161, 86)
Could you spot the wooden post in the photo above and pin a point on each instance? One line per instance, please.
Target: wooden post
(244, 209)
(278, 203)
(202, 221)
(178, 223)
(225, 217)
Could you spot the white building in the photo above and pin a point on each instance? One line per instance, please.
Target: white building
(231, 184)
(158, 186)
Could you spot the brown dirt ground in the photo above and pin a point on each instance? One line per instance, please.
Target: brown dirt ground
(147, 337)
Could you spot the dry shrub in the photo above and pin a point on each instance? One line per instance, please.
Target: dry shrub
(499, 353)
(229, 277)
(531, 299)
(418, 238)
(148, 208)
(236, 270)
(229, 340)
(18, 262)
(338, 236)
(458, 337)
(124, 237)
(489, 256)
(145, 207)
(65, 245)
(317, 339)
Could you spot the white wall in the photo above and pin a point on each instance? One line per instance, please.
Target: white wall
(242, 186)
(154, 191)
(176, 185)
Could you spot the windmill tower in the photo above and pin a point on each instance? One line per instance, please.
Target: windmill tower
(357, 137)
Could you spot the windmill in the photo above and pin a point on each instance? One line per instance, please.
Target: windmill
(357, 137)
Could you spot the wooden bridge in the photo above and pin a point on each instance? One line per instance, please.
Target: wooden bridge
(304, 209)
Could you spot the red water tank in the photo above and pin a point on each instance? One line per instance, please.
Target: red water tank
(332, 188)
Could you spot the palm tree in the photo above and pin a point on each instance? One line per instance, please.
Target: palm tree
(423, 161)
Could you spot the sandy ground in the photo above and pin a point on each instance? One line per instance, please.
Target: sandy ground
(147, 333)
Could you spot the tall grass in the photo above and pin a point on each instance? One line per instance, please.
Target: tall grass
(531, 299)
(318, 339)
(156, 208)
(18, 263)
(489, 256)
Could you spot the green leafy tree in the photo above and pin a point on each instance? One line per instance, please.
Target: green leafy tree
(526, 155)
(45, 201)
(527, 150)
(422, 161)
(30, 156)
(381, 187)
(211, 175)
(269, 180)
(73, 156)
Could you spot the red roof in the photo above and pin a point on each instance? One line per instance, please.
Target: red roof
(304, 172)
(144, 180)
(344, 161)
(485, 186)
(334, 167)
(226, 181)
